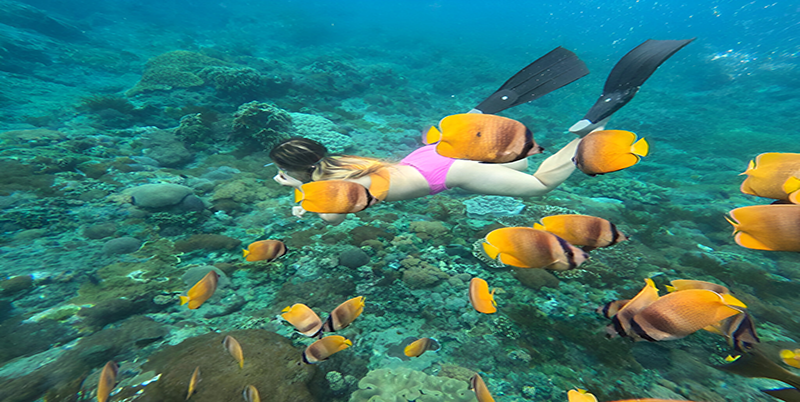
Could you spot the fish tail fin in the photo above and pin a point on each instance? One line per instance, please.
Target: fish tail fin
(298, 195)
(491, 251)
(640, 147)
(432, 136)
(245, 252)
(494, 303)
(791, 185)
(184, 300)
(670, 288)
(241, 363)
(538, 226)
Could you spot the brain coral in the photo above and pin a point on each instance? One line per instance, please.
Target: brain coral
(176, 69)
(403, 385)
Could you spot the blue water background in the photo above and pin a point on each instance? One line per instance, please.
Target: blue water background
(731, 94)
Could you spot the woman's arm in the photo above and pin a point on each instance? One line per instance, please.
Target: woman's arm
(557, 168)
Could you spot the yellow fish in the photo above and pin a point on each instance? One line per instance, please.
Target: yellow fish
(767, 227)
(608, 151)
(770, 175)
(333, 197)
(193, 382)
(481, 390)
(269, 250)
(482, 137)
(108, 379)
(305, 320)
(250, 394)
(420, 346)
(344, 314)
(588, 231)
(201, 291)
(324, 348)
(234, 348)
(480, 298)
(532, 248)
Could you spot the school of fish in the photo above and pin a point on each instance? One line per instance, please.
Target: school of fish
(557, 242)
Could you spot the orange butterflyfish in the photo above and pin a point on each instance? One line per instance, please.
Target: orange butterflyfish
(193, 382)
(608, 151)
(621, 321)
(269, 250)
(679, 314)
(201, 291)
(477, 385)
(791, 357)
(344, 314)
(482, 137)
(250, 394)
(324, 348)
(333, 197)
(767, 227)
(420, 346)
(588, 231)
(480, 298)
(532, 248)
(305, 320)
(234, 348)
(108, 379)
(769, 173)
(683, 284)
(580, 395)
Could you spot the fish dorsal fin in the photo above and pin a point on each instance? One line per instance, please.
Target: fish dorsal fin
(640, 148)
(750, 166)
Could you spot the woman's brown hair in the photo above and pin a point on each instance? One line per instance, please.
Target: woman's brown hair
(308, 156)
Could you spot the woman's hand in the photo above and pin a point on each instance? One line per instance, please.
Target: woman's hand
(285, 180)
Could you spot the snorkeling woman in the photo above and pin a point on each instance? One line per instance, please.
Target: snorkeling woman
(421, 173)
(425, 172)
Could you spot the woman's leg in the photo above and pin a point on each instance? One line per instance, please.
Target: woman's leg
(497, 179)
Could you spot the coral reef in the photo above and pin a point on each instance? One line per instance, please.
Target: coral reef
(492, 206)
(260, 125)
(402, 384)
(176, 69)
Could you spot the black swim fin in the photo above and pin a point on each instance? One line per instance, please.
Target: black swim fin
(626, 77)
(548, 73)
(784, 394)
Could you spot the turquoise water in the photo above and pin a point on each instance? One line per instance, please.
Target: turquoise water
(103, 97)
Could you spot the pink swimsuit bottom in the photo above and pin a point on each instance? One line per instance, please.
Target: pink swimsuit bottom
(431, 165)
